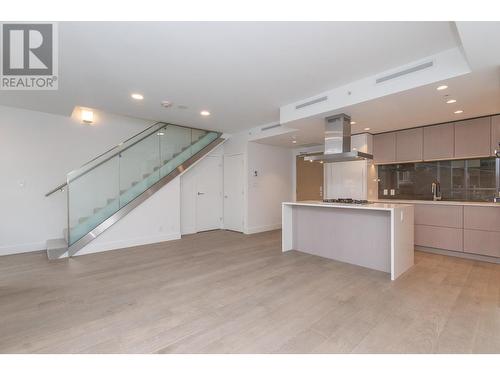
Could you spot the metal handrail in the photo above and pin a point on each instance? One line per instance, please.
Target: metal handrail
(59, 188)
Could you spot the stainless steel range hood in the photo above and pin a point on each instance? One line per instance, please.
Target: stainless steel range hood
(338, 142)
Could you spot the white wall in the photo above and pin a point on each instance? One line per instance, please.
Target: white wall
(37, 150)
(269, 188)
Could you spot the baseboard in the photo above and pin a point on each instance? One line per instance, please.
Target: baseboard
(22, 248)
(458, 254)
(264, 228)
(123, 244)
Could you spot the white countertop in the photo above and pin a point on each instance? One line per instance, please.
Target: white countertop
(446, 203)
(382, 206)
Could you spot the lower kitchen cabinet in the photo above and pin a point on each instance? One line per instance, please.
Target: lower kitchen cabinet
(482, 218)
(468, 228)
(439, 237)
(482, 230)
(439, 215)
(482, 242)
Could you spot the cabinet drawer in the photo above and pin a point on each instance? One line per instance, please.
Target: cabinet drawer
(482, 242)
(439, 215)
(439, 237)
(482, 218)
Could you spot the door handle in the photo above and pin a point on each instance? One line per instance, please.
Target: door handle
(200, 193)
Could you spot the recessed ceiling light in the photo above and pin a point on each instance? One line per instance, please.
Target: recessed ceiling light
(87, 116)
(451, 101)
(442, 87)
(294, 141)
(137, 96)
(367, 129)
(205, 113)
(458, 112)
(353, 122)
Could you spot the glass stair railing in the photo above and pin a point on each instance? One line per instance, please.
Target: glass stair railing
(104, 189)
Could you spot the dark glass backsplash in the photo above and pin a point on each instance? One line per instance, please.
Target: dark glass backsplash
(461, 180)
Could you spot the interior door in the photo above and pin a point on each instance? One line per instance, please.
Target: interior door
(309, 180)
(209, 194)
(233, 192)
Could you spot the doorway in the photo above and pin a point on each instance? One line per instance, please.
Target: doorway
(309, 180)
(201, 196)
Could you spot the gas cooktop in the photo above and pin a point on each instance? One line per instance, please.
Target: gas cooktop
(346, 200)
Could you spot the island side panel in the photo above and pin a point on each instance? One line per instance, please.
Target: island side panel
(403, 248)
(287, 226)
(361, 237)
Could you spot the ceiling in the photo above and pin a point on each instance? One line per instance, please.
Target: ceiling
(242, 72)
(477, 94)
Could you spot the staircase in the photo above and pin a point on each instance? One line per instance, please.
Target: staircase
(111, 185)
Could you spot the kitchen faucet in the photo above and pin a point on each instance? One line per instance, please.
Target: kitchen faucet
(436, 191)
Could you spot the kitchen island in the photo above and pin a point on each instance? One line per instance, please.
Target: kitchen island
(374, 235)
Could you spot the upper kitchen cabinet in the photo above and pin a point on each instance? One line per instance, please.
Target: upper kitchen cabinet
(495, 133)
(473, 138)
(439, 142)
(384, 148)
(409, 145)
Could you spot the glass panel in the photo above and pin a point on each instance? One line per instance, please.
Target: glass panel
(175, 148)
(139, 167)
(204, 140)
(92, 198)
(116, 149)
(106, 184)
(468, 180)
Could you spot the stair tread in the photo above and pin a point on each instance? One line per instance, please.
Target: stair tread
(56, 244)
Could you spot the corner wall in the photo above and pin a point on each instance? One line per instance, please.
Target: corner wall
(269, 188)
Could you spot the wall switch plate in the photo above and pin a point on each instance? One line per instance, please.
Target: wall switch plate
(386, 192)
(393, 192)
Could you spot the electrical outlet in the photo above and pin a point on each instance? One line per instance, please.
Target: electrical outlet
(386, 192)
(393, 192)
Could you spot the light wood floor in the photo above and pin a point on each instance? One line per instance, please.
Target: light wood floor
(223, 292)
